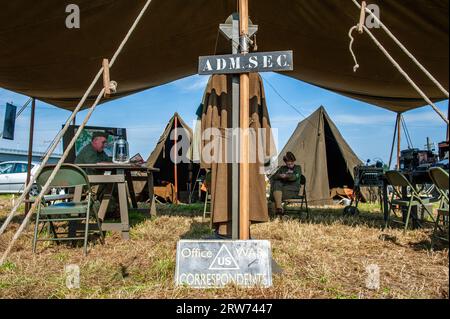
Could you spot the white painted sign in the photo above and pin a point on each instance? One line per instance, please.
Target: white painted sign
(251, 62)
(218, 263)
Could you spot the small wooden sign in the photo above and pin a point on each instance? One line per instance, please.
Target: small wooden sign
(218, 263)
(251, 62)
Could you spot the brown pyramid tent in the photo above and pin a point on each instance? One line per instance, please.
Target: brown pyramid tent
(326, 159)
(161, 158)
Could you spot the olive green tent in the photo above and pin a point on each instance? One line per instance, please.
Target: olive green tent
(163, 158)
(42, 58)
(326, 159)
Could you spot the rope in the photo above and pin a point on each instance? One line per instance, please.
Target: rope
(58, 138)
(50, 179)
(405, 75)
(404, 49)
(408, 136)
(398, 67)
(350, 47)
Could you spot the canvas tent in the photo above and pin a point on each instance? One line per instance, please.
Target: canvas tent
(161, 158)
(42, 58)
(326, 159)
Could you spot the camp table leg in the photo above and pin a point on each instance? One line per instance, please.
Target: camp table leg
(123, 203)
(385, 202)
(151, 196)
(105, 201)
(131, 189)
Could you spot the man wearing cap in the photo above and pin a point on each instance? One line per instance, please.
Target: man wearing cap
(285, 183)
(94, 152)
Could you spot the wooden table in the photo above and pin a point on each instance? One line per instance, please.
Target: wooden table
(120, 175)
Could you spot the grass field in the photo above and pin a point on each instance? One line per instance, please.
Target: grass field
(324, 257)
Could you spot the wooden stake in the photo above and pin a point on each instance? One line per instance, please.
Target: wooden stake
(244, 180)
(106, 78)
(362, 17)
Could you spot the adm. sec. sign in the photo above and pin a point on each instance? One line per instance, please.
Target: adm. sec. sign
(251, 62)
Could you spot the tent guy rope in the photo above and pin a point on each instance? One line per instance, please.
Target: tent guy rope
(405, 75)
(396, 65)
(402, 47)
(58, 138)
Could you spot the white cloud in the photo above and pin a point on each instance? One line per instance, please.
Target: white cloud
(193, 83)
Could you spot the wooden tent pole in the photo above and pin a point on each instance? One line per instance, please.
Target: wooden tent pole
(30, 152)
(175, 167)
(244, 198)
(399, 135)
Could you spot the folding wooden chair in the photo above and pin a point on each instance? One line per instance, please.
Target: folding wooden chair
(300, 199)
(398, 180)
(439, 177)
(70, 177)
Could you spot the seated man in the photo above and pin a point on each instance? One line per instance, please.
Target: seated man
(94, 153)
(285, 183)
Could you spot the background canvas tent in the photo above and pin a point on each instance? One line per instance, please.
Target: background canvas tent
(326, 159)
(42, 58)
(161, 158)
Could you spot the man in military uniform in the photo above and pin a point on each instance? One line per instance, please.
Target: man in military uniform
(285, 184)
(94, 153)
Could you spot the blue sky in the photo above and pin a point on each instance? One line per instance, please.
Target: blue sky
(368, 129)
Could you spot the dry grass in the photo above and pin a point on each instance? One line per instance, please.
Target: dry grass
(325, 257)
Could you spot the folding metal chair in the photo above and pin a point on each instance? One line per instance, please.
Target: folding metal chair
(439, 177)
(300, 199)
(398, 180)
(69, 177)
(205, 209)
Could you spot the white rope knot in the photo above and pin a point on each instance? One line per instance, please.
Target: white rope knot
(113, 86)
